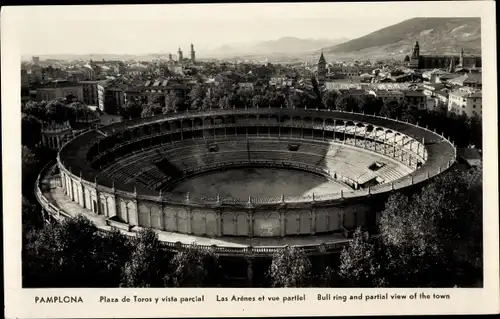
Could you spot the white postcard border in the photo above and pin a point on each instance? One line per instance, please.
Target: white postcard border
(20, 303)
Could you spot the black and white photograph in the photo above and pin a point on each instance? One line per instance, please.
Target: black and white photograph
(234, 146)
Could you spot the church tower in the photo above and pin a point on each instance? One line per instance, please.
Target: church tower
(415, 56)
(461, 60)
(321, 75)
(179, 52)
(170, 59)
(193, 54)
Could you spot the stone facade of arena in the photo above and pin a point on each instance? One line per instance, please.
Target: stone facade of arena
(128, 203)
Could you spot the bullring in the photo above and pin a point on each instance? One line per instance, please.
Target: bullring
(126, 174)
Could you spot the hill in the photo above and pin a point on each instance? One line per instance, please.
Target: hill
(435, 36)
(287, 46)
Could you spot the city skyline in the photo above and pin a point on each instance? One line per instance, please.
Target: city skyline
(155, 29)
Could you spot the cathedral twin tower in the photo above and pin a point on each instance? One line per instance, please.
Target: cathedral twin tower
(180, 55)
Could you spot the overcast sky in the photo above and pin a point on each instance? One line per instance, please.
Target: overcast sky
(163, 28)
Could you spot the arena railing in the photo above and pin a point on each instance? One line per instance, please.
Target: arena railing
(327, 247)
(46, 204)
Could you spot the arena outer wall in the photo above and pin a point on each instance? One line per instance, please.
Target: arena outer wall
(129, 207)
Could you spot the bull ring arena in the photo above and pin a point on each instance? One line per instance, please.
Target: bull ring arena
(242, 181)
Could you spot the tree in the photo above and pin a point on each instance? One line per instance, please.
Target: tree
(147, 264)
(290, 267)
(31, 130)
(36, 109)
(131, 110)
(346, 103)
(276, 99)
(151, 109)
(30, 215)
(114, 252)
(300, 99)
(438, 232)
(196, 93)
(197, 104)
(81, 110)
(407, 59)
(257, 101)
(358, 264)
(329, 277)
(316, 91)
(208, 103)
(370, 104)
(77, 243)
(62, 255)
(57, 112)
(29, 166)
(329, 99)
(40, 264)
(194, 268)
(224, 103)
(173, 102)
(390, 109)
(476, 131)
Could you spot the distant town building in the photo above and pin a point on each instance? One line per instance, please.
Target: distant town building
(59, 89)
(430, 89)
(35, 60)
(416, 98)
(247, 86)
(388, 95)
(25, 80)
(465, 102)
(90, 92)
(472, 80)
(418, 61)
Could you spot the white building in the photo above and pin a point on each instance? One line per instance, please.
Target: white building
(465, 102)
(388, 95)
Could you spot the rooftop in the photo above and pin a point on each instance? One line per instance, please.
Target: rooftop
(414, 93)
(469, 153)
(467, 78)
(58, 84)
(465, 94)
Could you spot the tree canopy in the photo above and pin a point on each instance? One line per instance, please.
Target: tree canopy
(432, 239)
(147, 266)
(290, 267)
(194, 268)
(31, 130)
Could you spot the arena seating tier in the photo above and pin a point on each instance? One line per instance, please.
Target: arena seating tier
(342, 160)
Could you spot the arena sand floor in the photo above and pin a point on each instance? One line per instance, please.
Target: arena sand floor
(258, 182)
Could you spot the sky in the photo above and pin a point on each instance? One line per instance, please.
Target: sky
(140, 29)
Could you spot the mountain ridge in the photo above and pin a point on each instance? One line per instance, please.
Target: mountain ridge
(435, 36)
